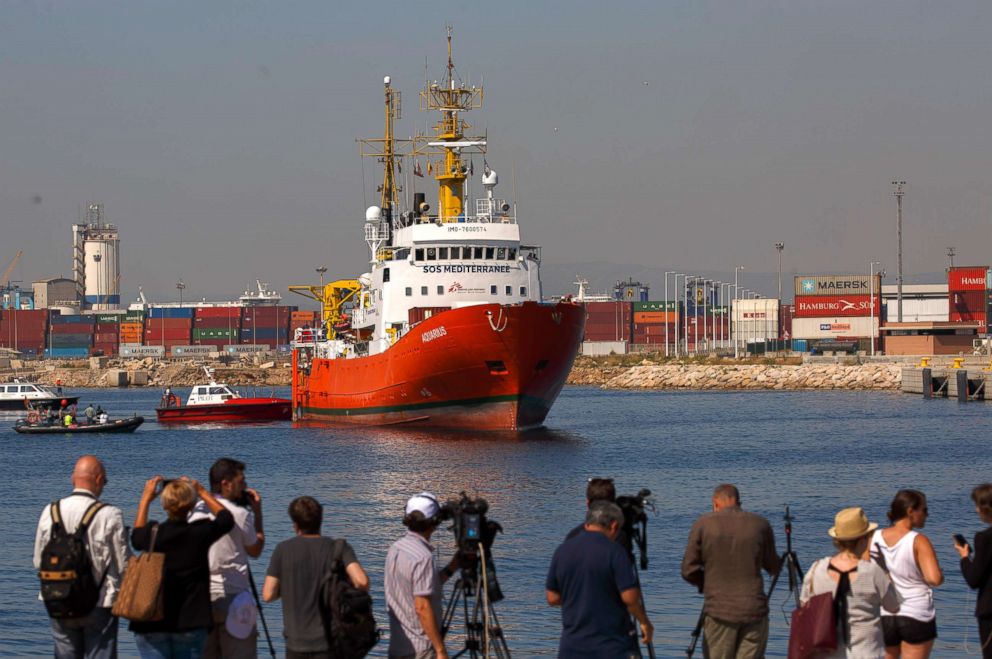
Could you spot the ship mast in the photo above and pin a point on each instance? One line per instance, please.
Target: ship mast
(451, 97)
(383, 149)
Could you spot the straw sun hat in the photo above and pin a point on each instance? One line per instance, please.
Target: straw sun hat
(851, 523)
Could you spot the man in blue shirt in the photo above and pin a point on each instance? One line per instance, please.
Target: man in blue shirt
(593, 580)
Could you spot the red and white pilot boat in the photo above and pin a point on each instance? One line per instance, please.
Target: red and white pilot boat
(448, 327)
(216, 402)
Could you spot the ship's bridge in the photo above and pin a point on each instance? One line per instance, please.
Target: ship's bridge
(493, 233)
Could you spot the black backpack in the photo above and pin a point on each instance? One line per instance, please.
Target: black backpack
(347, 611)
(67, 584)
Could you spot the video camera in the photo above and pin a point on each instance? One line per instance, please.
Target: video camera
(635, 523)
(472, 529)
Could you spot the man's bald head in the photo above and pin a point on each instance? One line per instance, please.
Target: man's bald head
(725, 496)
(89, 474)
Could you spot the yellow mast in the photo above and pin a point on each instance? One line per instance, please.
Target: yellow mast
(451, 97)
(383, 149)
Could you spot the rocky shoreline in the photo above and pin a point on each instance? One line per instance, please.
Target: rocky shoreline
(650, 375)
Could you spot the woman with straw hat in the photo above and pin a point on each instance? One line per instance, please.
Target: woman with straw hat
(861, 588)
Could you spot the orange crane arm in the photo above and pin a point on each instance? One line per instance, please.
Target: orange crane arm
(10, 268)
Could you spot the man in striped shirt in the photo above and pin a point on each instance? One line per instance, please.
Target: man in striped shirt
(413, 585)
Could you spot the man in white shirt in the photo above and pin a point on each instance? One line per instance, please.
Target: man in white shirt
(229, 573)
(93, 636)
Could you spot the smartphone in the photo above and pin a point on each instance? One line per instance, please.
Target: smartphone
(161, 485)
(960, 540)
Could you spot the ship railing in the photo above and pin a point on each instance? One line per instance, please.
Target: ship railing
(498, 218)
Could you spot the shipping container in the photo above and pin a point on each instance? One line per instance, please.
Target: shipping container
(168, 323)
(155, 335)
(58, 319)
(786, 312)
(106, 337)
(819, 306)
(67, 353)
(142, 351)
(109, 318)
(71, 329)
(243, 349)
(807, 285)
(193, 351)
(232, 322)
(63, 340)
(670, 306)
(215, 343)
(218, 312)
(171, 312)
(834, 327)
(915, 310)
(258, 334)
(755, 320)
(967, 279)
(215, 333)
(104, 328)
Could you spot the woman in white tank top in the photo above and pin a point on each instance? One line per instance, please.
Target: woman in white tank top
(912, 564)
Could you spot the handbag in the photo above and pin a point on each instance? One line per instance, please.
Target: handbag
(142, 593)
(814, 625)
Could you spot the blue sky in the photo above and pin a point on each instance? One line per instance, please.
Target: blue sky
(690, 135)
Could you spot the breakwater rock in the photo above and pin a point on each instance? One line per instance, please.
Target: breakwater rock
(740, 376)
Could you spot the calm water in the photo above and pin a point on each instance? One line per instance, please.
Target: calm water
(817, 452)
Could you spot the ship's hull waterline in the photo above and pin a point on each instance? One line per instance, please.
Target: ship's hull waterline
(482, 367)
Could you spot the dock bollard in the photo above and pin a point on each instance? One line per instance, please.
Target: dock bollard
(962, 382)
(927, 383)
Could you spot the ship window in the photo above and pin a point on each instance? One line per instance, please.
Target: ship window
(442, 253)
(523, 291)
(509, 290)
(25, 389)
(466, 253)
(477, 253)
(217, 390)
(490, 253)
(385, 274)
(401, 254)
(418, 255)
(431, 254)
(512, 254)
(440, 290)
(501, 254)
(492, 289)
(423, 290)
(201, 391)
(409, 291)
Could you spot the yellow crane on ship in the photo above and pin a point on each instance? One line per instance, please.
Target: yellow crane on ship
(332, 298)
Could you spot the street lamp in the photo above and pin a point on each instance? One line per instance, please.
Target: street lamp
(180, 286)
(898, 193)
(780, 247)
(735, 326)
(666, 309)
(871, 302)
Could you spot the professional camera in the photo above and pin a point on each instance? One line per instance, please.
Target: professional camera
(635, 523)
(472, 530)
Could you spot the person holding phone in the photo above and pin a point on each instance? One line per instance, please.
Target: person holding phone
(976, 566)
(912, 565)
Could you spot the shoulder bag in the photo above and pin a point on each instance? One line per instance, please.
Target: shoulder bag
(142, 593)
(814, 625)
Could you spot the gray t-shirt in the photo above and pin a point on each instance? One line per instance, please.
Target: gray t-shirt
(300, 564)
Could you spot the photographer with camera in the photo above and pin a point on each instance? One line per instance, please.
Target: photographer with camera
(593, 580)
(234, 634)
(413, 584)
(726, 552)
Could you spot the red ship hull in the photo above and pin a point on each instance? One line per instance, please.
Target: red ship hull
(483, 367)
(238, 410)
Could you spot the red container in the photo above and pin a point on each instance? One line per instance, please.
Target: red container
(168, 323)
(217, 312)
(105, 337)
(105, 348)
(830, 306)
(217, 322)
(74, 328)
(217, 343)
(967, 279)
(153, 336)
(786, 312)
(106, 328)
(966, 302)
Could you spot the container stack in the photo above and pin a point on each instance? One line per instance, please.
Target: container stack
(168, 327)
(70, 336)
(24, 330)
(216, 326)
(265, 326)
(132, 329)
(609, 321)
(301, 319)
(106, 334)
(651, 321)
(967, 296)
(837, 308)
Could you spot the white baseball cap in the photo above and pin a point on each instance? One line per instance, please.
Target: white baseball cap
(424, 503)
(241, 616)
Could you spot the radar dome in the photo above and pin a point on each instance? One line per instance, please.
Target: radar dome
(373, 214)
(490, 178)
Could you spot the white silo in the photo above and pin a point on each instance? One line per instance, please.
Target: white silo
(96, 260)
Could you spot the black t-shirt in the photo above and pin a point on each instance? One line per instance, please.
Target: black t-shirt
(589, 572)
(187, 570)
(300, 564)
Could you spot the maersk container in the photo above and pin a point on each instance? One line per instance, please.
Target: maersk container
(59, 319)
(67, 353)
(659, 305)
(246, 349)
(837, 285)
(171, 312)
(130, 350)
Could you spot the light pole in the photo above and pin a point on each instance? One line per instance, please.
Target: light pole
(320, 271)
(724, 323)
(735, 325)
(667, 354)
(180, 286)
(950, 258)
(871, 302)
(898, 193)
(780, 247)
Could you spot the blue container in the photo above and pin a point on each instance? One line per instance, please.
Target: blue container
(800, 345)
(265, 334)
(58, 319)
(67, 352)
(70, 340)
(169, 312)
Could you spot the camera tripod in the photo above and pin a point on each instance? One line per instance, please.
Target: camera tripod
(483, 634)
(789, 561)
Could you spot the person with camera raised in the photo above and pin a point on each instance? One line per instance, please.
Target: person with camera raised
(230, 587)
(727, 550)
(413, 584)
(592, 579)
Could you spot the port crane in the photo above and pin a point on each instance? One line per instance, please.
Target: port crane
(332, 298)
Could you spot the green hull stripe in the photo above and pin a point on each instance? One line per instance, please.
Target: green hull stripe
(386, 409)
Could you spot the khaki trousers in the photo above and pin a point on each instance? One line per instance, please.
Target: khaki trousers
(726, 640)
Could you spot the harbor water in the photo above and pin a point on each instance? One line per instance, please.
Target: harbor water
(814, 451)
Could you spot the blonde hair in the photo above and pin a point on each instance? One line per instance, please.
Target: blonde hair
(178, 498)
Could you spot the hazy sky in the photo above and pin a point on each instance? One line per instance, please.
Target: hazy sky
(690, 135)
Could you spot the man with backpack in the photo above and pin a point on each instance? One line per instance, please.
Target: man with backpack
(326, 608)
(80, 551)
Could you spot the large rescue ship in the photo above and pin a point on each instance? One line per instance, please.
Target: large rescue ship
(447, 329)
